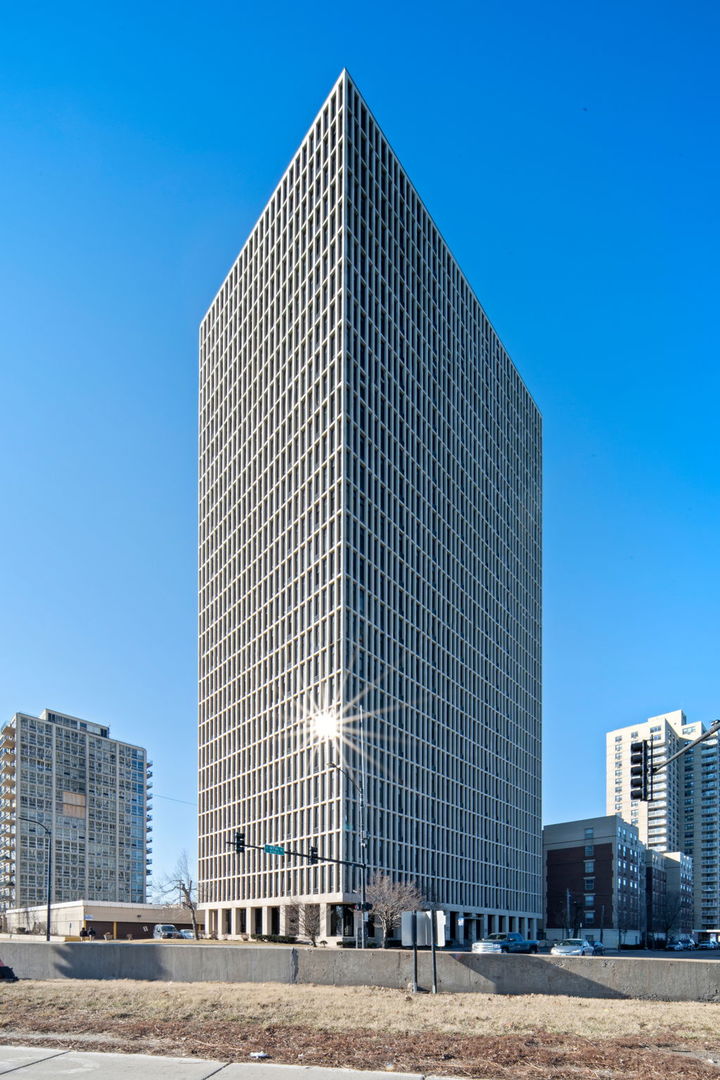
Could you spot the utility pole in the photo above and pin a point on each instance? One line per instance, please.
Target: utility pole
(48, 834)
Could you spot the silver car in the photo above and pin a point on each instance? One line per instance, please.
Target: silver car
(572, 946)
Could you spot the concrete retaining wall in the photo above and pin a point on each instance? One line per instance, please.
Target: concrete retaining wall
(616, 977)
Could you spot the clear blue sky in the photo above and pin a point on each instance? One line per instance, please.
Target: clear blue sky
(569, 154)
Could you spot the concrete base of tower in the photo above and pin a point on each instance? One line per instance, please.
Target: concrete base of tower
(340, 923)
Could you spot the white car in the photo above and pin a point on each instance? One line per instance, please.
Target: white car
(572, 947)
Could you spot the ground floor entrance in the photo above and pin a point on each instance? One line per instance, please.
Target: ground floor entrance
(342, 923)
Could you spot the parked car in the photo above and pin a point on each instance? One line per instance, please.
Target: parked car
(505, 943)
(572, 947)
(166, 930)
(598, 948)
(708, 945)
(187, 934)
(674, 946)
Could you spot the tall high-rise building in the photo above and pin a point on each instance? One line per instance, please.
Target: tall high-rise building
(66, 780)
(369, 571)
(683, 814)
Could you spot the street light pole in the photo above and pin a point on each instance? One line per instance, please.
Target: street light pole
(48, 833)
(327, 727)
(363, 837)
(363, 844)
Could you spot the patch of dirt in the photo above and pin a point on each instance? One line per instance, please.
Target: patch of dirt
(55, 1015)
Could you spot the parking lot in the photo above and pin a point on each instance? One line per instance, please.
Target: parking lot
(663, 954)
(668, 954)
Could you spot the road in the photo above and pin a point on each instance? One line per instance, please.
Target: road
(41, 1063)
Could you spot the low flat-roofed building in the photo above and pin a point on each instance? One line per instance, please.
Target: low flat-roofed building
(121, 921)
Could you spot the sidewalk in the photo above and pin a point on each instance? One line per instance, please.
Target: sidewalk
(42, 1063)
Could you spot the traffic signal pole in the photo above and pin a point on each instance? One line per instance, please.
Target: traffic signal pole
(712, 730)
(313, 855)
(642, 769)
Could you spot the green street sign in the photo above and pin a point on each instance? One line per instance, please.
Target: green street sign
(274, 849)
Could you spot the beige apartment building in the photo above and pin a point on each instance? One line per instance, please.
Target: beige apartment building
(369, 563)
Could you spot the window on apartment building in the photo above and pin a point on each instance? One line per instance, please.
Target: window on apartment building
(589, 833)
(589, 849)
(589, 900)
(590, 866)
(589, 883)
(589, 917)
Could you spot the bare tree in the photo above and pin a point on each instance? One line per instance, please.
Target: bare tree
(310, 922)
(179, 883)
(667, 915)
(303, 920)
(389, 899)
(293, 909)
(628, 916)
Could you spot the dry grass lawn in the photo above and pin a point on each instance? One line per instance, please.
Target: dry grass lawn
(462, 1035)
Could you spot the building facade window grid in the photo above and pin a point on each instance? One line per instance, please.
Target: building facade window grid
(369, 527)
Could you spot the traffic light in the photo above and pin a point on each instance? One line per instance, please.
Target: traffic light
(239, 843)
(313, 854)
(640, 766)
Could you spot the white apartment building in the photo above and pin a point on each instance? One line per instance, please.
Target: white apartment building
(66, 782)
(369, 557)
(683, 815)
